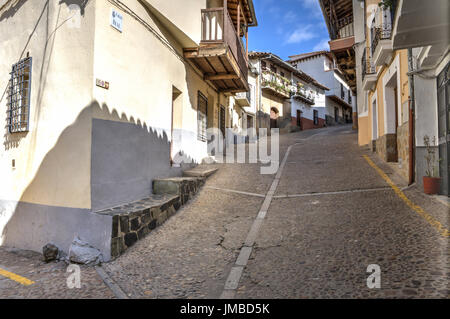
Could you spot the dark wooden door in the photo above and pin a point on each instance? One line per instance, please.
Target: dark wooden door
(299, 119)
(222, 120)
(444, 128)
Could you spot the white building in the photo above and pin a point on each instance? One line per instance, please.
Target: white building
(340, 102)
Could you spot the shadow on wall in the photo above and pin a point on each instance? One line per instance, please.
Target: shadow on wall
(11, 6)
(77, 177)
(80, 3)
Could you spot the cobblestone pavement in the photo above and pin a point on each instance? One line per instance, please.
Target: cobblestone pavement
(50, 278)
(308, 247)
(331, 216)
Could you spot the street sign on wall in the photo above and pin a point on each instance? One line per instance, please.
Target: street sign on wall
(116, 20)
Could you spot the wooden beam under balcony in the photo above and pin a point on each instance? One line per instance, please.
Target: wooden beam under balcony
(219, 66)
(221, 76)
(342, 44)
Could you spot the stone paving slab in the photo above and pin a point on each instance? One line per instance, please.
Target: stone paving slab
(321, 247)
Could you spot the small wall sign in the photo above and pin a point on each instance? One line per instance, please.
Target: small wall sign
(116, 20)
(102, 84)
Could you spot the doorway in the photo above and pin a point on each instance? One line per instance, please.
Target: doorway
(374, 121)
(274, 117)
(222, 120)
(391, 118)
(299, 119)
(443, 87)
(176, 125)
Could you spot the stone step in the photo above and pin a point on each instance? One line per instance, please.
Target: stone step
(132, 222)
(200, 171)
(184, 187)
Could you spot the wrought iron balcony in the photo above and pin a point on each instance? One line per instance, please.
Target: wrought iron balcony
(301, 93)
(368, 71)
(382, 25)
(367, 65)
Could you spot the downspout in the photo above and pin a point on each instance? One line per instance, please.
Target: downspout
(411, 102)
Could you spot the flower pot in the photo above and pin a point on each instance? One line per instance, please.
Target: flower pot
(431, 185)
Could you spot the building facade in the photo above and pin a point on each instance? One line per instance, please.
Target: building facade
(286, 98)
(339, 102)
(102, 98)
(423, 28)
(383, 118)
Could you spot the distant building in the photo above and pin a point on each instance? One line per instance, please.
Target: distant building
(339, 101)
(286, 97)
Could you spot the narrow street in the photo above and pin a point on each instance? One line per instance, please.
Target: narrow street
(116, 117)
(331, 216)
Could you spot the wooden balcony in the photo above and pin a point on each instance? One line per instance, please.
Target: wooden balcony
(342, 35)
(221, 55)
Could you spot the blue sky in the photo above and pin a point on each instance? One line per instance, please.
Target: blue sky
(288, 27)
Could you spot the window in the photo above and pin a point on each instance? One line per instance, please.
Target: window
(19, 96)
(201, 117)
(316, 117)
(282, 74)
(273, 69)
(263, 65)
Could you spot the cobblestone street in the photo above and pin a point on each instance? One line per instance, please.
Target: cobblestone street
(331, 216)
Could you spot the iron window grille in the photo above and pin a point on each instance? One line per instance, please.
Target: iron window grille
(202, 108)
(18, 103)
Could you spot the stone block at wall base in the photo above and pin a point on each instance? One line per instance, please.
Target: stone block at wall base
(386, 147)
(132, 222)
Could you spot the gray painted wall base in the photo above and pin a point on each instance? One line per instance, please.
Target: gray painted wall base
(32, 226)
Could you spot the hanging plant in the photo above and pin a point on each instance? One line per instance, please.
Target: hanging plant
(386, 4)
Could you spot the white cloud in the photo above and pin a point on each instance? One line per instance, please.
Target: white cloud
(313, 6)
(322, 45)
(302, 33)
(290, 16)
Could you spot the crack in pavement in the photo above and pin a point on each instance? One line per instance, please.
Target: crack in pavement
(334, 193)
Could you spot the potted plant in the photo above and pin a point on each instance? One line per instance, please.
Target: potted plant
(431, 182)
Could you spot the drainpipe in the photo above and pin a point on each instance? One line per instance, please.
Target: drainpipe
(411, 104)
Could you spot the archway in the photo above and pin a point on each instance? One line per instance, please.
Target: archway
(274, 114)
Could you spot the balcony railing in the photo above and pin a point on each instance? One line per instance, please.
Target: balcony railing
(276, 82)
(218, 27)
(343, 28)
(367, 65)
(382, 24)
(243, 95)
(299, 91)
